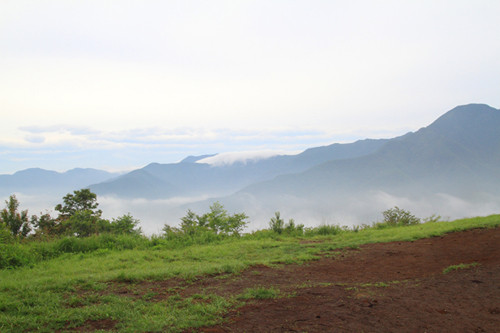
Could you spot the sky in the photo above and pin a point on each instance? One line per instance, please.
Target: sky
(119, 84)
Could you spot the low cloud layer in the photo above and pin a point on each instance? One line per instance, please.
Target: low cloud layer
(348, 211)
(245, 157)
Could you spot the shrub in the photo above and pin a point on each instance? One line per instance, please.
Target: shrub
(5, 235)
(215, 222)
(276, 223)
(13, 220)
(125, 224)
(294, 229)
(324, 230)
(399, 217)
(14, 255)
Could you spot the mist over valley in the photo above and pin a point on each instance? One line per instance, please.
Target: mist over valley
(450, 168)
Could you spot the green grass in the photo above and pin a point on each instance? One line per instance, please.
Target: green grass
(66, 284)
(459, 266)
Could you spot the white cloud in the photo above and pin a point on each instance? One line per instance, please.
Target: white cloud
(243, 157)
(346, 69)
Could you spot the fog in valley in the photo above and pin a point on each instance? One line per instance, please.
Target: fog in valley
(345, 211)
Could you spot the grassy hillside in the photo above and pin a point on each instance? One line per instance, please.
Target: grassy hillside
(69, 283)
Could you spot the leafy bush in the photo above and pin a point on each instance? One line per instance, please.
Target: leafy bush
(432, 219)
(397, 217)
(15, 221)
(14, 255)
(277, 225)
(125, 224)
(5, 235)
(324, 230)
(203, 227)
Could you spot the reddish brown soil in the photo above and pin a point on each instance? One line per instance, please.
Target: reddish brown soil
(391, 287)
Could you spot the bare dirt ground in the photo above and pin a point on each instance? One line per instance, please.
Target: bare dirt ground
(390, 287)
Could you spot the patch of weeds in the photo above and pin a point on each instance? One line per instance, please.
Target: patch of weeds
(75, 302)
(92, 286)
(174, 298)
(259, 293)
(149, 295)
(229, 269)
(198, 296)
(459, 266)
(122, 277)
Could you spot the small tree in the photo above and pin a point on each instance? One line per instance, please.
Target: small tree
(45, 225)
(82, 224)
(126, 224)
(191, 223)
(276, 223)
(16, 222)
(82, 200)
(217, 221)
(399, 217)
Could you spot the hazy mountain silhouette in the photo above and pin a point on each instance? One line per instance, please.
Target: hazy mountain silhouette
(37, 181)
(189, 178)
(456, 154)
(452, 163)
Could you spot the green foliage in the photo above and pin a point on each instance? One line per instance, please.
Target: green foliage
(125, 224)
(216, 222)
(14, 255)
(277, 225)
(82, 200)
(398, 217)
(432, 219)
(83, 223)
(45, 226)
(324, 230)
(5, 234)
(15, 221)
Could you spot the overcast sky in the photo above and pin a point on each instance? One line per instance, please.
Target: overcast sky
(119, 84)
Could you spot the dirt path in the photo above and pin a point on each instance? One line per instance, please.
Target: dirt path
(391, 287)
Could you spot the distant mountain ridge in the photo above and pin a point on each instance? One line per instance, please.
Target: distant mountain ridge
(456, 157)
(463, 143)
(459, 151)
(188, 178)
(37, 181)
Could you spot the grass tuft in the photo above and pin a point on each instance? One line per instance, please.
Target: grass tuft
(459, 266)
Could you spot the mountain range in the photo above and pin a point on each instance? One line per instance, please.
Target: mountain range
(457, 155)
(36, 181)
